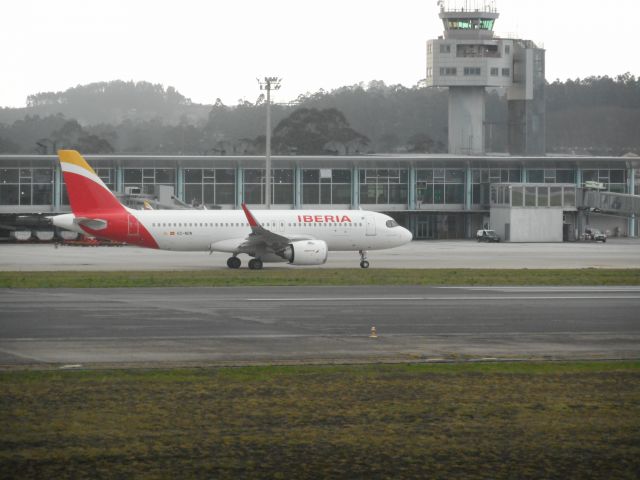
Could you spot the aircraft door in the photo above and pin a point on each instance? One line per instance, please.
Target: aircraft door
(371, 225)
(133, 229)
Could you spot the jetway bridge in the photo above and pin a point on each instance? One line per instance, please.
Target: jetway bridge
(608, 202)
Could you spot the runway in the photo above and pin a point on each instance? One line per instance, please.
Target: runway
(616, 253)
(315, 324)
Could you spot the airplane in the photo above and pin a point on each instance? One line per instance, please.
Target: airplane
(299, 237)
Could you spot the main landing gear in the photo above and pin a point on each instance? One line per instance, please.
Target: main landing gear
(363, 259)
(255, 264)
(233, 262)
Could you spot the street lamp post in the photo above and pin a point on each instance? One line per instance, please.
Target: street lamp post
(268, 84)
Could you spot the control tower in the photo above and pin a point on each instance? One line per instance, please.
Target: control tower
(468, 58)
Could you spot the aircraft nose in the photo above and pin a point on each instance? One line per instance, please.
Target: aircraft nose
(407, 236)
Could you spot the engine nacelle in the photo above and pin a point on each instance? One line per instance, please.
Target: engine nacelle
(306, 252)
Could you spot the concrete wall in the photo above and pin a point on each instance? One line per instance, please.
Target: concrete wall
(466, 120)
(498, 218)
(536, 224)
(528, 224)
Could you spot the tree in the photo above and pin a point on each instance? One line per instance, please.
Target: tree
(93, 144)
(310, 131)
(420, 143)
(7, 146)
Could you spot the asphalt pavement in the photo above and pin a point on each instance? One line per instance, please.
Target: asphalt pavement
(616, 253)
(240, 325)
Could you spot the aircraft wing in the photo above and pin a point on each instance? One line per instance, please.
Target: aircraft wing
(260, 236)
(260, 239)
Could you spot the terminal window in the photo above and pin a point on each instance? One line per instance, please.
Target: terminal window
(210, 186)
(494, 71)
(281, 186)
(506, 72)
(614, 180)
(448, 71)
(147, 178)
(482, 178)
(383, 186)
(445, 48)
(26, 186)
(472, 70)
(326, 186)
(440, 186)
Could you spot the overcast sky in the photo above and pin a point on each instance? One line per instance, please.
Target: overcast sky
(208, 49)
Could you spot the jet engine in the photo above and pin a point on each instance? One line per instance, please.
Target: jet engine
(306, 252)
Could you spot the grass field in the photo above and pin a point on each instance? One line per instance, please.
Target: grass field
(507, 420)
(244, 277)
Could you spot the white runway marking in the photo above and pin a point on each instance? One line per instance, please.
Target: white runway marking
(456, 298)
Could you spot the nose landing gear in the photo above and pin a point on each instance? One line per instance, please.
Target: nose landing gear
(363, 259)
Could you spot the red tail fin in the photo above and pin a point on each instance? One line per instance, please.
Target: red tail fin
(87, 193)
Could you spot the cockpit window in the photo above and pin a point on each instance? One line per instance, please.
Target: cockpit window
(392, 223)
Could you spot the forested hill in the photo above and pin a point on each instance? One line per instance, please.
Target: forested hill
(111, 102)
(599, 115)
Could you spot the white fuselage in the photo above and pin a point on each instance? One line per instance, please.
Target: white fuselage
(221, 230)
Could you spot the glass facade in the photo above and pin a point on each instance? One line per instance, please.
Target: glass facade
(446, 197)
(482, 178)
(438, 186)
(614, 180)
(533, 195)
(384, 186)
(326, 186)
(439, 226)
(210, 186)
(551, 175)
(146, 178)
(26, 186)
(281, 186)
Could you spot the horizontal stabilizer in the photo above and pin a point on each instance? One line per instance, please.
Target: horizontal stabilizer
(92, 223)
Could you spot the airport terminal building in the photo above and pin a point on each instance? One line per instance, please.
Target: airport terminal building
(435, 196)
(525, 196)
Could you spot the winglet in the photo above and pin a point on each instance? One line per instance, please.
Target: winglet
(252, 221)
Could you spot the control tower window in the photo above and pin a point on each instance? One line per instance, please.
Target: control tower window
(448, 71)
(466, 50)
(470, 24)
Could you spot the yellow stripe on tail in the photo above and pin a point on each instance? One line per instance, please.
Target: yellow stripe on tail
(72, 156)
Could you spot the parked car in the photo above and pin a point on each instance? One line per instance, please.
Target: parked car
(485, 235)
(595, 235)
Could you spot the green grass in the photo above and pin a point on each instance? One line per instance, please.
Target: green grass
(506, 420)
(244, 277)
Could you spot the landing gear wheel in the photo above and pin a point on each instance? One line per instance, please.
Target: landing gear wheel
(233, 262)
(363, 259)
(255, 264)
